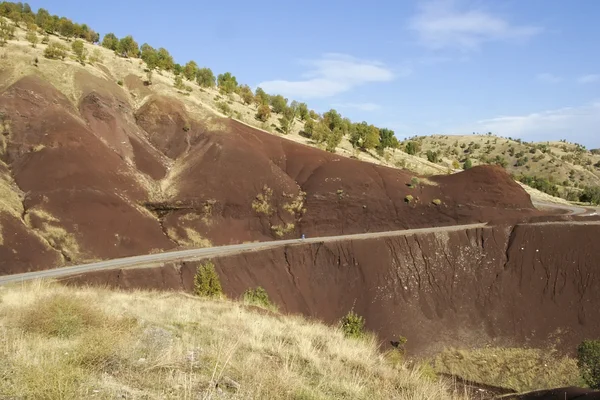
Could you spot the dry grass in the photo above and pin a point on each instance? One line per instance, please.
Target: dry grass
(48, 227)
(191, 239)
(173, 346)
(515, 368)
(262, 203)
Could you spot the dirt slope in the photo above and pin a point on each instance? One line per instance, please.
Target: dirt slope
(95, 170)
(529, 285)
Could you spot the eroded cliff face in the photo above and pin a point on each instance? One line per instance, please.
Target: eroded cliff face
(533, 284)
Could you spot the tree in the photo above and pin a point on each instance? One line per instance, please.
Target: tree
(190, 70)
(32, 38)
(303, 111)
(42, 17)
(309, 127)
(177, 69)
(264, 112)
(110, 41)
(412, 147)
(55, 51)
(65, 27)
(79, 50)
(588, 361)
(128, 47)
(179, 82)
(205, 78)
(364, 136)
(206, 281)
(468, 164)
(149, 56)
(433, 156)
(260, 97)
(333, 119)
(246, 94)
(333, 140)
(227, 83)
(288, 119)
(164, 59)
(279, 103)
(386, 138)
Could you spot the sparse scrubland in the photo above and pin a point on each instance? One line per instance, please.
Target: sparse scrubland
(62, 342)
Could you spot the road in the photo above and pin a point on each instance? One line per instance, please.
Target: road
(571, 209)
(195, 254)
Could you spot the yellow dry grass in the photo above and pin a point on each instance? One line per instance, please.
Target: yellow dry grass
(48, 227)
(515, 368)
(191, 239)
(154, 345)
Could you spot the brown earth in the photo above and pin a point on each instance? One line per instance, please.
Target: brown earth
(528, 285)
(109, 172)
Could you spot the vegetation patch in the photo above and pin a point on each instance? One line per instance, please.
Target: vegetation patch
(206, 281)
(262, 202)
(353, 325)
(282, 230)
(258, 297)
(47, 226)
(515, 368)
(588, 361)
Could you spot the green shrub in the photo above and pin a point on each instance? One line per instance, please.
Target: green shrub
(224, 108)
(206, 281)
(409, 199)
(437, 202)
(120, 83)
(55, 51)
(353, 325)
(588, 361)
(414, 182)
(258, 297)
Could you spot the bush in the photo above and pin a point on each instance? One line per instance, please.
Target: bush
(120, 83)
(412, 148)
(437, 202)
(206, 281)
(79, 50)
(55, 51)
(258, 297)
(588, 361)
(409, 198)
(264, 113)
(353, 325)
(468, 164)
(433, 156)
(224, 108)
(32, 38)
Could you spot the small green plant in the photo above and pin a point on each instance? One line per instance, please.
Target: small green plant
(120, 82)
(588, 361)
(224, 108)
(414, 182)
(32, 38)
(341, 194)
(258, 297)
(437, 202)
(409, 199)
(206, 281)
(353, 325)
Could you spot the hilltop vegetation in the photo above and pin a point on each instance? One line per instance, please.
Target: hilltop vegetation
(561, 169)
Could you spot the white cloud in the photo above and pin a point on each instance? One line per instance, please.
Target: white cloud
(330, 75)
(580, 124)
(548, 78)
(592, 78)
(442, 24)
(358, 106)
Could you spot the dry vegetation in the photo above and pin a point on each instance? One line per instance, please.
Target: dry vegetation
(73, 343)
(568, 166)
(514, 368)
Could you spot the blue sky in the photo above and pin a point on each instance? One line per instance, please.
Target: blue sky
(528, 69)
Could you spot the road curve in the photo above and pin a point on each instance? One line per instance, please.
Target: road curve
(194, 254)
(571, 209)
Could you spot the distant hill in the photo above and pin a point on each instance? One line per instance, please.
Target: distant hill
(558, 168)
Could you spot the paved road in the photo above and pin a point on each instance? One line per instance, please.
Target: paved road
(194, 254)
(571, 209)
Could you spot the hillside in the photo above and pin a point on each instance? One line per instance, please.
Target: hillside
(96, 164)
(71, 343)
(566, 169)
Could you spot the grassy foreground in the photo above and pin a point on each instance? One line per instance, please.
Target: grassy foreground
(60, 342)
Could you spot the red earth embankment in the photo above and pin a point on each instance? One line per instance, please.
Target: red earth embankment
(103, 176)
(532, 284)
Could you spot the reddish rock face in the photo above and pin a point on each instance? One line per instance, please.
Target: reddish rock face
(532, 284)
(86, 170)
